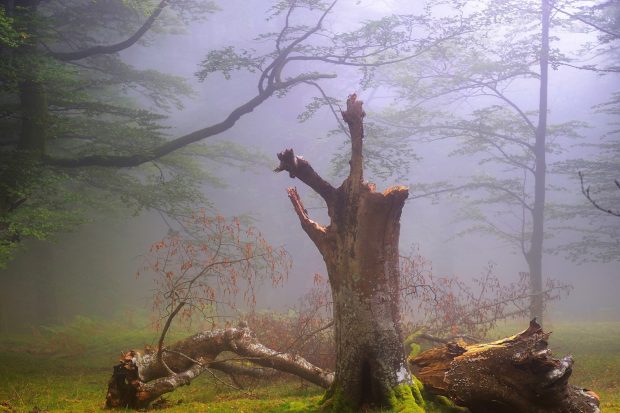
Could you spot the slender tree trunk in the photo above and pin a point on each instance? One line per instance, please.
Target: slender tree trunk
(3, 315)
(46, 303)
(535, 254)
(360, 250)
(35, 116)
(33, 136)
(32, 94)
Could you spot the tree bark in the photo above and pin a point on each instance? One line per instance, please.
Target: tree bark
(140, 378)
(360, 250)
(534, 256)
(513, 375)
(35, 117)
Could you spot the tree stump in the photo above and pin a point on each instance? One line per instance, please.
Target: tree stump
(513, 375)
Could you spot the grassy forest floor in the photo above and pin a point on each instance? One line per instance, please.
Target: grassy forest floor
(66, 368)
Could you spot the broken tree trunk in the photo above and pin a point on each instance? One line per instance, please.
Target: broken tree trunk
(140, 378)
(513, 375)
(360, 250)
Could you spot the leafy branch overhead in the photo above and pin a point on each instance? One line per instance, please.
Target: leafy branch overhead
(85, 102)
(377, 43)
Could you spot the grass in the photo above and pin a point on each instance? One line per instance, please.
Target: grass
(66, 368)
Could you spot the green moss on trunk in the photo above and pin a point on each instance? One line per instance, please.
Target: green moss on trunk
(335, 400)
(406, 399)
(403, 398)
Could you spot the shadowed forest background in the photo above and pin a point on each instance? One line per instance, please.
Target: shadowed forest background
(452, 102)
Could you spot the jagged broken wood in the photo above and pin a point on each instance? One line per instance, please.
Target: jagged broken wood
(513, 375)
(140, 378)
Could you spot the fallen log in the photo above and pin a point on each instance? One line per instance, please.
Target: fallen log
(513, 375)
(140, 377)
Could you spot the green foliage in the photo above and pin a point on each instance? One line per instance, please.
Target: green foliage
(469, 90)
(387, 157)
(92, 106)
(228, 60)
(597, 239)
(36, 203)
(9, 36)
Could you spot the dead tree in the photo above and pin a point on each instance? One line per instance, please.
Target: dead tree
(360, 250)
(513, 375)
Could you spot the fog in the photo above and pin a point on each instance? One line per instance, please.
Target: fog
(91, 269)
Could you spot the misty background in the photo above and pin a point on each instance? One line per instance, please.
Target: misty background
(91, 270)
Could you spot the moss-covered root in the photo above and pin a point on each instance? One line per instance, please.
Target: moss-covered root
(334, 400)
(407, 399)
(402, 399)
(433, 403)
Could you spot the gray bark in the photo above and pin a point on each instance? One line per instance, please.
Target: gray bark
(140, 378)
(360, 250)
(534, 256)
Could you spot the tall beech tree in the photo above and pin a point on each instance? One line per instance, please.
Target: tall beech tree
(512, 49)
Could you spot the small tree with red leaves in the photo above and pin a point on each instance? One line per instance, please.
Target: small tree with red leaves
(211, 268)
(305, 330)
(452, 308)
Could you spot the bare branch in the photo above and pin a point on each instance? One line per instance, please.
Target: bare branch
(341, 125)
(162, 336)
(586, 192)
(591, 68)
(113, 48)
(271, 74)
(486, 185)
(297, 167)
(316, 232)
(238, 369)
(173, 145)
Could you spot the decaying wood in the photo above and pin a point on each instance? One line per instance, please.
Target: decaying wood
(140, 378)
(360, 250)
(514, 375)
